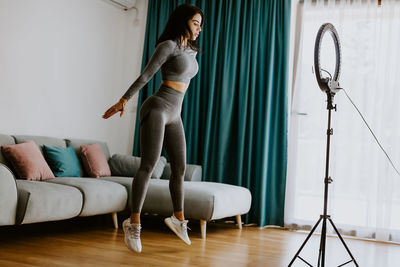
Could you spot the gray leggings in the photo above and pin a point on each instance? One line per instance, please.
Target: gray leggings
(160, 119)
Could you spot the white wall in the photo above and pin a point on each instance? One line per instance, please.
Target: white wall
(63, 63)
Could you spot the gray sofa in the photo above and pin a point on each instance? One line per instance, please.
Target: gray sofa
(24, 201)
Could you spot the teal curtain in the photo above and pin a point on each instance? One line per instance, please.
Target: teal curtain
(235, 110)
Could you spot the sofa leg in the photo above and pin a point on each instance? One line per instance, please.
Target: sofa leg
(239, 221)
(115, 219)
(203, 227)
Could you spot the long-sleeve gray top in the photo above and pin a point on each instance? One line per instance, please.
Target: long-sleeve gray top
(177, 64)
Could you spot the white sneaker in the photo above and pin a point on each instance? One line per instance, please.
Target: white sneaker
(132, 235)
(178, 227)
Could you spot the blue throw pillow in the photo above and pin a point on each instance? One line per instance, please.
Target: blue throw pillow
(62, 161)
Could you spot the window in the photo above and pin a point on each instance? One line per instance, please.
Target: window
(364, 199)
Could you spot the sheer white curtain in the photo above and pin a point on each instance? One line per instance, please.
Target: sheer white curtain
(364, 198)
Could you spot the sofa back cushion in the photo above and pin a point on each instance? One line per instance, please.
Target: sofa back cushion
(41, 140)
(127, 166)
(27, 161)
(193, 172)
(77, 143)
(6, 140)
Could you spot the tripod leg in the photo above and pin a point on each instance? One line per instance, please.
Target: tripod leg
(344, 244)
(321, 255)
(305, 241)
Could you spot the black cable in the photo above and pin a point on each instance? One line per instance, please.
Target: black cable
(327, 72)
(390, 160)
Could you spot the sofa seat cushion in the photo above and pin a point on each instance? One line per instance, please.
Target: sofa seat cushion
(203, 200)
(125, 182)
(100, 196)
(50, 202)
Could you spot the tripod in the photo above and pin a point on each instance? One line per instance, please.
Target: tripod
(325, 216)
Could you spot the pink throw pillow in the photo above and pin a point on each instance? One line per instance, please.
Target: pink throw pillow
(28, 161)
(95, 161)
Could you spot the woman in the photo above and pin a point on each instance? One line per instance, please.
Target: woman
(159, 116)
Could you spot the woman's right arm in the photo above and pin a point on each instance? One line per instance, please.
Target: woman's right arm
(161, 54)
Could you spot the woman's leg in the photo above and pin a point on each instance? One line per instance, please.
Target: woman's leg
(152, 126)
(175, 146)
(151, 139)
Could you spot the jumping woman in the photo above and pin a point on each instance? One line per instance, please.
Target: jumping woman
(160, 120)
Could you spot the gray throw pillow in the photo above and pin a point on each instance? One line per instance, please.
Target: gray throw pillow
(127, 166)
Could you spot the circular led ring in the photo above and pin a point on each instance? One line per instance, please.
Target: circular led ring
(324, 83)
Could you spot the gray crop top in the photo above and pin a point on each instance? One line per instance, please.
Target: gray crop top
(177, 64)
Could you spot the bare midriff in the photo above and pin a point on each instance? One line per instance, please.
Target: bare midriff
(178, 86)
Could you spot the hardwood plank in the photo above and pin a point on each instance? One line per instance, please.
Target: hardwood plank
(94, 241)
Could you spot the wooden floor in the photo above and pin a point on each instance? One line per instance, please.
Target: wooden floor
(93, 242)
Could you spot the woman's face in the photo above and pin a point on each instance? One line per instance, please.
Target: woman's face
(194, 25)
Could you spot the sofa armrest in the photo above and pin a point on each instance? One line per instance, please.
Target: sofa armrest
(8, 196)
(192, 173)
(23, 199)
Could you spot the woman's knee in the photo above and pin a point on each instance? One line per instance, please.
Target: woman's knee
(178, 170)
(147, 167)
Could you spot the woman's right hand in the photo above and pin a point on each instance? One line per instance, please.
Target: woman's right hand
(119, 106)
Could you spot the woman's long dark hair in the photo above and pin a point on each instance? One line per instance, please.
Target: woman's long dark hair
(178, 24)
